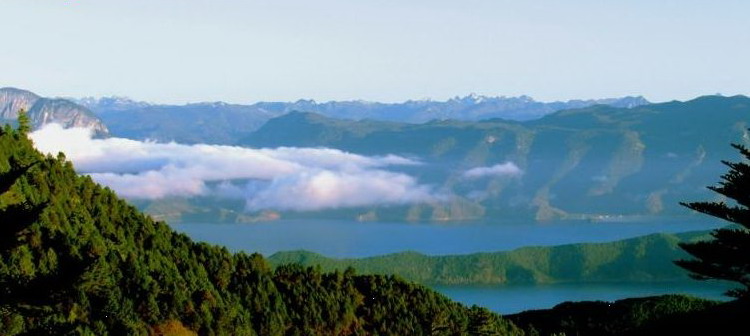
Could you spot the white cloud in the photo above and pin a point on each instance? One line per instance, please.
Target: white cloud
(502, 169)
(321, 189)
(283, 178)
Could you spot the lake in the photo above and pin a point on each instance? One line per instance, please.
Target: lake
(516, 298)
(341, 239)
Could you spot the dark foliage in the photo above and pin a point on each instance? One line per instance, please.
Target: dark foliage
(727, 255)
(641, 259)
(724, 319)
(77, 260)
(624, 317)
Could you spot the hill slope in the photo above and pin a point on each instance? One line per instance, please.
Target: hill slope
(662, 315)
(577, 164)
(649, 258)
(77, 260)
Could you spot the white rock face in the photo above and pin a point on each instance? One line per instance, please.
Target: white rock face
(44, 111)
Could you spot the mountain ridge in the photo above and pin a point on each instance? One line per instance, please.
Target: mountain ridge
(590, 163)
(141, 120)
(44, 111)
(75, 259)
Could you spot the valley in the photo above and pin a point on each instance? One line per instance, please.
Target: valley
(374, 168)
(592, 163)
(576, 205)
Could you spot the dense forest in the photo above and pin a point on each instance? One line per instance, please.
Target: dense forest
(641, 259)
(660, 315)
(77, 260)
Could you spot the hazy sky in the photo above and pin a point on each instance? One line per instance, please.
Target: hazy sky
(391, 50)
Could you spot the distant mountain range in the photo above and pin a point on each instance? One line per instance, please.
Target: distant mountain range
(42, 111)
(214, 123)
(599, 162)
(222, 123)
(77, 260)
(470, 108)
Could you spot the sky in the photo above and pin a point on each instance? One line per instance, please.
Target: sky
(389, 50)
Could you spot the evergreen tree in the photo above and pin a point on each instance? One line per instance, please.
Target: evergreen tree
(77, 260)
(727, 255)
(24, 123)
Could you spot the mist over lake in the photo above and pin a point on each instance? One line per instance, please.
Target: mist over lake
(400, 168)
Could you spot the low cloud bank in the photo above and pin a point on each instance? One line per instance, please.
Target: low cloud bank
(502, 169)
(281, 179)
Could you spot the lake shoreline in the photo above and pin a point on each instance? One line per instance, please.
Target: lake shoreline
(512, 299)
(352, 239)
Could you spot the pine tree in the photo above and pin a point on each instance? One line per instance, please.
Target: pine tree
(727, 255)
(77, 260)
(24, 123)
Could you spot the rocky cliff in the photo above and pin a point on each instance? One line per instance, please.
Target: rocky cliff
(44, 111)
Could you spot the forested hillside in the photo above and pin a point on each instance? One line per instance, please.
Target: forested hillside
(647, 258)
(660, 315)
(77, 260)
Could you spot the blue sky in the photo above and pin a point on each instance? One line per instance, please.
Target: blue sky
(281, 50)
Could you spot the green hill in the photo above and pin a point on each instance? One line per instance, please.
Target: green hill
(577, 164)
(77, 260)
(647, 258)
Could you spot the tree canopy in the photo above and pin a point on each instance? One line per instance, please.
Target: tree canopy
(75, 259)
(727, 255)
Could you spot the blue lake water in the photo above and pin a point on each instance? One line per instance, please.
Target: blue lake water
(362, 239)
(516, 298)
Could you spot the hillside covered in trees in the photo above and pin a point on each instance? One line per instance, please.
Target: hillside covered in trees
(77, 260)
(641, 259)
(659, 315)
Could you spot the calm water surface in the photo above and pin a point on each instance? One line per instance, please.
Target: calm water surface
(516, 298)
(363, 239)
